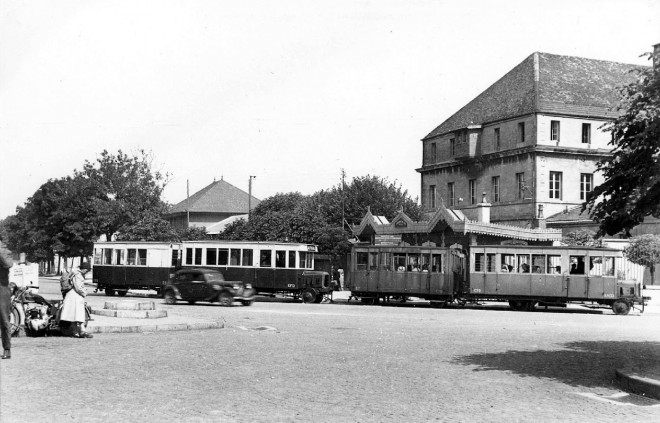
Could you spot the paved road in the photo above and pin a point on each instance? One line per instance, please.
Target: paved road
(284, 361)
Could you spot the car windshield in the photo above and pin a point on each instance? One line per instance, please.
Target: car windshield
(215, 277)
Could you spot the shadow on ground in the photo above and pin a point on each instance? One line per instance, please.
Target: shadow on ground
(578, 364)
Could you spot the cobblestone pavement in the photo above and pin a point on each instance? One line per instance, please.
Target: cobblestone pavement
(292, 362)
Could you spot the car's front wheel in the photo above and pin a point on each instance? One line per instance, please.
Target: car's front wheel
(225, 299)
(169, 297)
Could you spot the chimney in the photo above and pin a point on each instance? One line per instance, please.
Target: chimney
(483, 210)
(539, 222)
(656, 58)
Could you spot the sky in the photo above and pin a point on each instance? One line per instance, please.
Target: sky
(290, 92)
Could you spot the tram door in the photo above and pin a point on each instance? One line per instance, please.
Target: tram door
(456, 269)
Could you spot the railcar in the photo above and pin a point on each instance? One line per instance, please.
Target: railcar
(524, 276)
(120, 266)
(270, 267)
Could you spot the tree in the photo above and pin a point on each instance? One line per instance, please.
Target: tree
(645, 251)
(631, 190)
(125, 190)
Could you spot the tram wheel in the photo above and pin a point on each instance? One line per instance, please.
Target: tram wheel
(109, 292)
(621, 307)
(225, 299)
(169, 297)
(122, 292)
(368, 300)
(308, 296)
(518, 305)
(191, 302)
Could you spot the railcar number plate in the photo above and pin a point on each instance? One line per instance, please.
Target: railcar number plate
(291, 285)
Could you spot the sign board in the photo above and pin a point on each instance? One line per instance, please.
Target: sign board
(387, 239)
(25, 275)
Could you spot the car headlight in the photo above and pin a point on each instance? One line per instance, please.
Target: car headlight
(248, 286)
(237, 286)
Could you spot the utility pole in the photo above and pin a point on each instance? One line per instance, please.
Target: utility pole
(250, 196)
(188, 203)
(343, 219)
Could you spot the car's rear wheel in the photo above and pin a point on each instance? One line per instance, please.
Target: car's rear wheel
(309, 295)
(225, 299)
(621, 307)
(247, 302)
(169, 297)
(122, 292)
(109, 292)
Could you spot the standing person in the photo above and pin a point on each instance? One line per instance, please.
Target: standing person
(5, 300)
(341, 279)
(73, 308)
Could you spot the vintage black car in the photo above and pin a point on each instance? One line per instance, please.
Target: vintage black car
(206, 285)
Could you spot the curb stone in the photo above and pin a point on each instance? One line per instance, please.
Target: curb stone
(629, 381)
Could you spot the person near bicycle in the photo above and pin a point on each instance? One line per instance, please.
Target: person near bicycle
(6, 262)
(73, 307)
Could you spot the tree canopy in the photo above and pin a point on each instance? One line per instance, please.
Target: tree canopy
(631, 191)
(645, 251)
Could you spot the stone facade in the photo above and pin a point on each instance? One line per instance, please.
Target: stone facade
(529, 143)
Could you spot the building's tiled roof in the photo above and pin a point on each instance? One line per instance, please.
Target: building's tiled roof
(572, 215)
(218, 197)
(546, 83)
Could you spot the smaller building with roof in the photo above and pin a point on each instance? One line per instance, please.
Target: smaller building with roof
(210, 205)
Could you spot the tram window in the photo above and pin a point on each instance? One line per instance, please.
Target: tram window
(248, 256)
(142, 256)
(223, 256)
(413, 263)
(98, 253)
(292, 259)
(107, 256)
(538, 263)
(424, 262)
(131, 257)
(386, 261)
(479, 264)
(400, 262)
(576, 265)
(361, 260)
(306, 260)
(608, 266)
(436, 263)
(523, 263)
(280, 258)
(508, 262)
(235, 257)
(490, 262)
(554, 265)
(175, 257)
(373, 261)
(265, 258)
(118, 257)
(189, 256)
(198, 256)
(211, 256)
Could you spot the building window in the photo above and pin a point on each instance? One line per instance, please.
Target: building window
(434, 152)
(586, 185)
(432, 196)
(586, 133)
(495, 189)
(451, 194)
(473, 191)
(452, 146)
(554, 130)
(555, 185)
(521, 132)
(497, 139)
(520, 183)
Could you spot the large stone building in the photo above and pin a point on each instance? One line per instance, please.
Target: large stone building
(530, 142)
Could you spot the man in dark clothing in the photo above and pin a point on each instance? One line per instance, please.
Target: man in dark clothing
(5, 300)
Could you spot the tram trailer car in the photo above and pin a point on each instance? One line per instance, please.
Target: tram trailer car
(525, 276)
(271, 267)
(120, 266)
